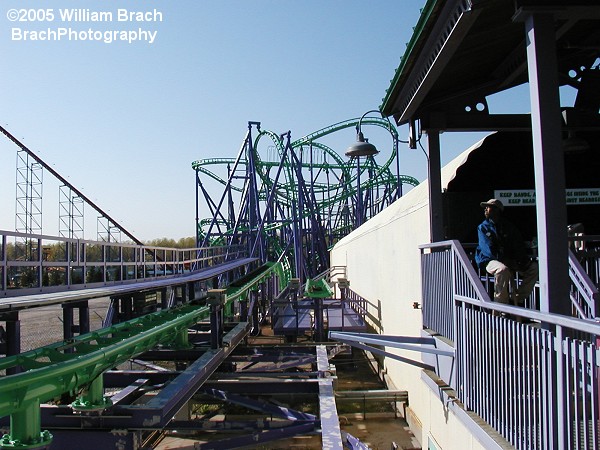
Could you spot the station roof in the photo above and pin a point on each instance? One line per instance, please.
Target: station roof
(464, 50)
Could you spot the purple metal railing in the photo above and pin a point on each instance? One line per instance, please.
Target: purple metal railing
(534, 383)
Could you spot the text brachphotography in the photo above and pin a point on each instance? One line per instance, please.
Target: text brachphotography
(71, 24)
(71, 34)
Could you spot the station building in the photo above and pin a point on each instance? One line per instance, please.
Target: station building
(476, 375)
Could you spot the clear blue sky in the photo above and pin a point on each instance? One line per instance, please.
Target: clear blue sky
(123, 121)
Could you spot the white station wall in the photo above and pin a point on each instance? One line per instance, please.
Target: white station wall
(382, 260)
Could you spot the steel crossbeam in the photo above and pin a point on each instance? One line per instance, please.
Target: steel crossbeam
(330, 422)
(257, 405)
(358, 342)
(78, 364)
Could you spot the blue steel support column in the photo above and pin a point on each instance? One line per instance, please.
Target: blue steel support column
(13, 339)
(216, 301)
(369, 204)
(311, 194)
(297, 243)
(309, 224)
(164, 300)
(84, 317)
(299, 217)
(270, 209)
(197, 182)
(319, 320)
(230, 204)
(551, 206)
(67, 321)
(550, 185)
(253, 195)
(255, 320)
(243, 302)
(434, 180)
(214, 221)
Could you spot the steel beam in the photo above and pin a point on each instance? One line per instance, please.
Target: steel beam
(331, 433)
(257, 405)
(400, 342)
(358, 344)
(434, 181)
(54, 370)
(549, 165)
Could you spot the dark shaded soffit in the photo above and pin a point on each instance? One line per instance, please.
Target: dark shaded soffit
(464, 50)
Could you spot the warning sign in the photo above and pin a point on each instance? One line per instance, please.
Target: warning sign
(526, 197)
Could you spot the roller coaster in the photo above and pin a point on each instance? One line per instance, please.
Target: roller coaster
(296, 199)
(261, 255)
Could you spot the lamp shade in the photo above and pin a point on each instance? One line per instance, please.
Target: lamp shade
(362, 147)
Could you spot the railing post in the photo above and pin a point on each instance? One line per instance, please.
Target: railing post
(459, 335)
(13, 339)
(122, 267)
(3, 259)
(216, 301)
(68, 258)
(40, 263)
(343, 284)
(104, 278)
(559, 417)
(67, 323)
(84, 317)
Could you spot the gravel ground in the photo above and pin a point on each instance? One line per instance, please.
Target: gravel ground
(43, 326)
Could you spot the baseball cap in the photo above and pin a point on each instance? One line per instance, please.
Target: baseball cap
(493, 202)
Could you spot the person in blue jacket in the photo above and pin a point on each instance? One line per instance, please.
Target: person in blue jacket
(501, 252)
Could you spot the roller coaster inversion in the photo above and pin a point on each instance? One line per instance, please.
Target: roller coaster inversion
(292, 201)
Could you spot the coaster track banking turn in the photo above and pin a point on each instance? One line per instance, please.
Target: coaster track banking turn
(295, 200)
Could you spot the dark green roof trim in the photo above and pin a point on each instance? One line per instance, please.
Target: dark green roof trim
(426, 12)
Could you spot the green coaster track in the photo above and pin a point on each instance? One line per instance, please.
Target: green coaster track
(76, 366)
(291, 201)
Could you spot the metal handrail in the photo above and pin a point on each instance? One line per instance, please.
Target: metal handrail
(584, 296)
(537, 385)
(56, 264)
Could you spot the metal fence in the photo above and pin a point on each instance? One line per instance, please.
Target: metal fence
(365, 309)
(535, 383)
(38, 263)
(584, 270)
